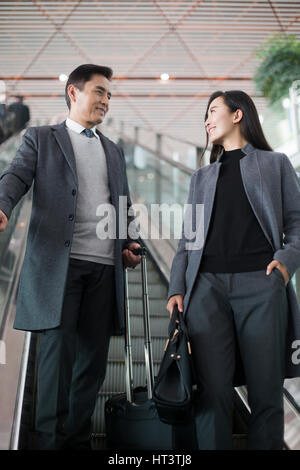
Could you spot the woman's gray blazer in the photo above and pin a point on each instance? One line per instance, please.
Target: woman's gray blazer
(273, 190)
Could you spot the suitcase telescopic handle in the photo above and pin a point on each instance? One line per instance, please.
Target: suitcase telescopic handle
(128, 348)
(147, 334)
(139, 251)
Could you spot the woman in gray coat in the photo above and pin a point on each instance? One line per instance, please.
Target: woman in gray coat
(234, 289)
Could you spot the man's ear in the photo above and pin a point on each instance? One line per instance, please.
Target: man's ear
(72, 92)
(238, 115)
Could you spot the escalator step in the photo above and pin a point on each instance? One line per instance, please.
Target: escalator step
(158, 325)
(134, 276)
(115, 376)
(116, 349)
(156, 307)
(155, 291)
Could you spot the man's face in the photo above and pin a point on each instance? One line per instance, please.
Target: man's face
(90, 105)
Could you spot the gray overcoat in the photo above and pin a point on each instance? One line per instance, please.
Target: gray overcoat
(46, 158)
(273, 190)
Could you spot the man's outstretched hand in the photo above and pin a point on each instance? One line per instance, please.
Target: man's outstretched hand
(3, 221)
(129, 259)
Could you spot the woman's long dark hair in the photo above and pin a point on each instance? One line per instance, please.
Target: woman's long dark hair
(250, 125)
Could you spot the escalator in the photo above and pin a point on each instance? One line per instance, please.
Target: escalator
(14, 343)
(23, 435)
(114, 383)
(155, 181)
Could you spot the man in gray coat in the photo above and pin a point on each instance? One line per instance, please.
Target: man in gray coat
(71, 285)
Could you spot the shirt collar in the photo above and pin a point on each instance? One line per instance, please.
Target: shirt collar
(248, 148)
(78, 128)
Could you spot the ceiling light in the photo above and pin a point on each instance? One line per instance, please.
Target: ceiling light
(286, 103)
(164, 77)
(63, 77)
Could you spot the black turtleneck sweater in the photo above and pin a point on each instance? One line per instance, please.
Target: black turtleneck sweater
(235, 241)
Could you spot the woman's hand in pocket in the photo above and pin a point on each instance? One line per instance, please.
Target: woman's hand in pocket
(3, 221)
(282, 269)
(173, 301)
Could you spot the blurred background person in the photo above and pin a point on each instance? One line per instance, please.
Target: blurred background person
(22, 113)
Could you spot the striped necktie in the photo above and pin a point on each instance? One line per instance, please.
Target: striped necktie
(88, 133)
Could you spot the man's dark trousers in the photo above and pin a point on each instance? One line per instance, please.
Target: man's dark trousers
(251, 306)
(72, 358)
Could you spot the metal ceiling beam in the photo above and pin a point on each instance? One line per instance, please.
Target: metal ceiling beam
(152, 48)
(49, 40)
(124, 79)
(174, 29)
(195, 100)
(219, 34)
(140, 38)
(60, 29)
(277, 17)
(127, 95)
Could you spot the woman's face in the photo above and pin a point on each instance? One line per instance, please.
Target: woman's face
(220, 122)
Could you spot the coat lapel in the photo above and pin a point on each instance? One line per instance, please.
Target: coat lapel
(252, 181)
(64, 142)
(111, 154)
(209, 195)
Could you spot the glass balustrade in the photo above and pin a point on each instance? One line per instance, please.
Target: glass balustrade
(12, 237)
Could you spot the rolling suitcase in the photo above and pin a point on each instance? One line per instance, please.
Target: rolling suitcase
(131, 418)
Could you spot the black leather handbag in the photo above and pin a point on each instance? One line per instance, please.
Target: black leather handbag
(173, 388)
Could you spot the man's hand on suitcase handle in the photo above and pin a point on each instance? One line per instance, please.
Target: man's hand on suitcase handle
(130, 259)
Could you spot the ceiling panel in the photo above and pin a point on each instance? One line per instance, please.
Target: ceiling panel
(197, 42)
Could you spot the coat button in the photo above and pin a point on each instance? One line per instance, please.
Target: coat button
(67, 243)
(73, 192)
(71, 217)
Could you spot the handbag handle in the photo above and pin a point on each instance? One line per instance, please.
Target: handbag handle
(177, 319)
(176, 326)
